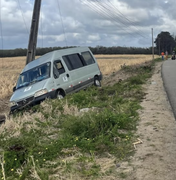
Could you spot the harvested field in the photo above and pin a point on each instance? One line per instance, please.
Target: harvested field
(11, 67)
(113, 63)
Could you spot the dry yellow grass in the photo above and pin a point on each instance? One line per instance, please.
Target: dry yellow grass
(9, 71)
(10, 68)
(112, 63)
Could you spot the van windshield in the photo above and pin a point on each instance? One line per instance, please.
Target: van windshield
(34, 75)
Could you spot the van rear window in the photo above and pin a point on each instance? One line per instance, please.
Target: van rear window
(88, 58)
(73, 61)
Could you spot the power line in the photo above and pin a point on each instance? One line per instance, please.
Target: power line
(107, 12)
(22, 16)
(103, 12)
(98, 9)
(95, 7)
(41, 20)
(110, 11)
(120, 14)
(62, 22)
(1, 29)
(114, 15)
(27, 29)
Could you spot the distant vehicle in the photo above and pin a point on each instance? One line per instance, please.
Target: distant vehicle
(54, 75)
(173, 55)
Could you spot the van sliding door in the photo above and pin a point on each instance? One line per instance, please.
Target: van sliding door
(62, 79)
(77, 68)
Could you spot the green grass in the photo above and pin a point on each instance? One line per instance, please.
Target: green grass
(66, 142)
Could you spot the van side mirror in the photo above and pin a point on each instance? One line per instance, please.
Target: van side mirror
(14, 88)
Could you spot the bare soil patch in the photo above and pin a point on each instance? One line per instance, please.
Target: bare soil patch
(155, 157)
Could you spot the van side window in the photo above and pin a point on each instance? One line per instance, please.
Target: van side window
(88, 58)
(73, 61)
(67, 62)
(58, 68)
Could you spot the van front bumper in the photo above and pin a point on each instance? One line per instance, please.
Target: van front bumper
(31, 101)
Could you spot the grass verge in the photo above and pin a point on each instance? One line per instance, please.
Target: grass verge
(75, 137)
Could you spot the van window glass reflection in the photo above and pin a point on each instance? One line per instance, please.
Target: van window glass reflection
(34, 75)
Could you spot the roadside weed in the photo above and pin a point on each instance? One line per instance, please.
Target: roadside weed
(65, 138)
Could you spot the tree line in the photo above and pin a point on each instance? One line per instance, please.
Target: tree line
(95, 50)
(164, 42)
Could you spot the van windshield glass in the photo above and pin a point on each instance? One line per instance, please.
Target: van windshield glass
(34, 75)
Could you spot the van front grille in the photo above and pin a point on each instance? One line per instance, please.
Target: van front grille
(25, 101)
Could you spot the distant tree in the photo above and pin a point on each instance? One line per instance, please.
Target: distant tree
(165, 42)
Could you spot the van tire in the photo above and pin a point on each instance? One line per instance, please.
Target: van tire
(59, 94)
(97, 82)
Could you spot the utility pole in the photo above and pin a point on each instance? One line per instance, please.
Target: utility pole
(152, 45)
(33, 32)
(159, 46)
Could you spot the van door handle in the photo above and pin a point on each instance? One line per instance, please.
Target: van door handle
(67, 75)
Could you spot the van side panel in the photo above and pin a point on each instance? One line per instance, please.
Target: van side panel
(81, 71)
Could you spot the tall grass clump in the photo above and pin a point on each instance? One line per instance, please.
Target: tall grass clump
(65, 139)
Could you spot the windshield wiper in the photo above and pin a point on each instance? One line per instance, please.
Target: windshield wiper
(34, 81)
(29, 83)
(24, 85)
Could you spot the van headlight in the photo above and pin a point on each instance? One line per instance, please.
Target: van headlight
(41, 92)
(13, 103)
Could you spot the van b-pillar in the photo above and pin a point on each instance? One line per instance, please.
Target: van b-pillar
(33, 32)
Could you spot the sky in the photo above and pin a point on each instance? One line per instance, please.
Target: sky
(126, 23)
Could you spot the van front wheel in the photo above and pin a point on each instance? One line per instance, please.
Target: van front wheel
(59, 95)
(97, 82)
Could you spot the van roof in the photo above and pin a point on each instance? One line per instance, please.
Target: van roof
(54, 55)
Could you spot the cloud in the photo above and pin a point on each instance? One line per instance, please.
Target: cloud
(87, 22)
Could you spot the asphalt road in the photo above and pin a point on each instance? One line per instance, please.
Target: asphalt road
(169, 80)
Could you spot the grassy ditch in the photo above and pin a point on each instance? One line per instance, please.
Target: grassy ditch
(75, 137)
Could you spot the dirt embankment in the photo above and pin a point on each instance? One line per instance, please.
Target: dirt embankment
(155, 157)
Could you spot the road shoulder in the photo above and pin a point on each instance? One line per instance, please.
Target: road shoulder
(155, 157)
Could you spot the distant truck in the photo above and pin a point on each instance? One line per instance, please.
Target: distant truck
(54, 75)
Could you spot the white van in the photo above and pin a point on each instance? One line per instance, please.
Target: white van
(54, 75)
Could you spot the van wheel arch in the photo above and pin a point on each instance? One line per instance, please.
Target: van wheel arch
(60, 94)
(97, 81)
